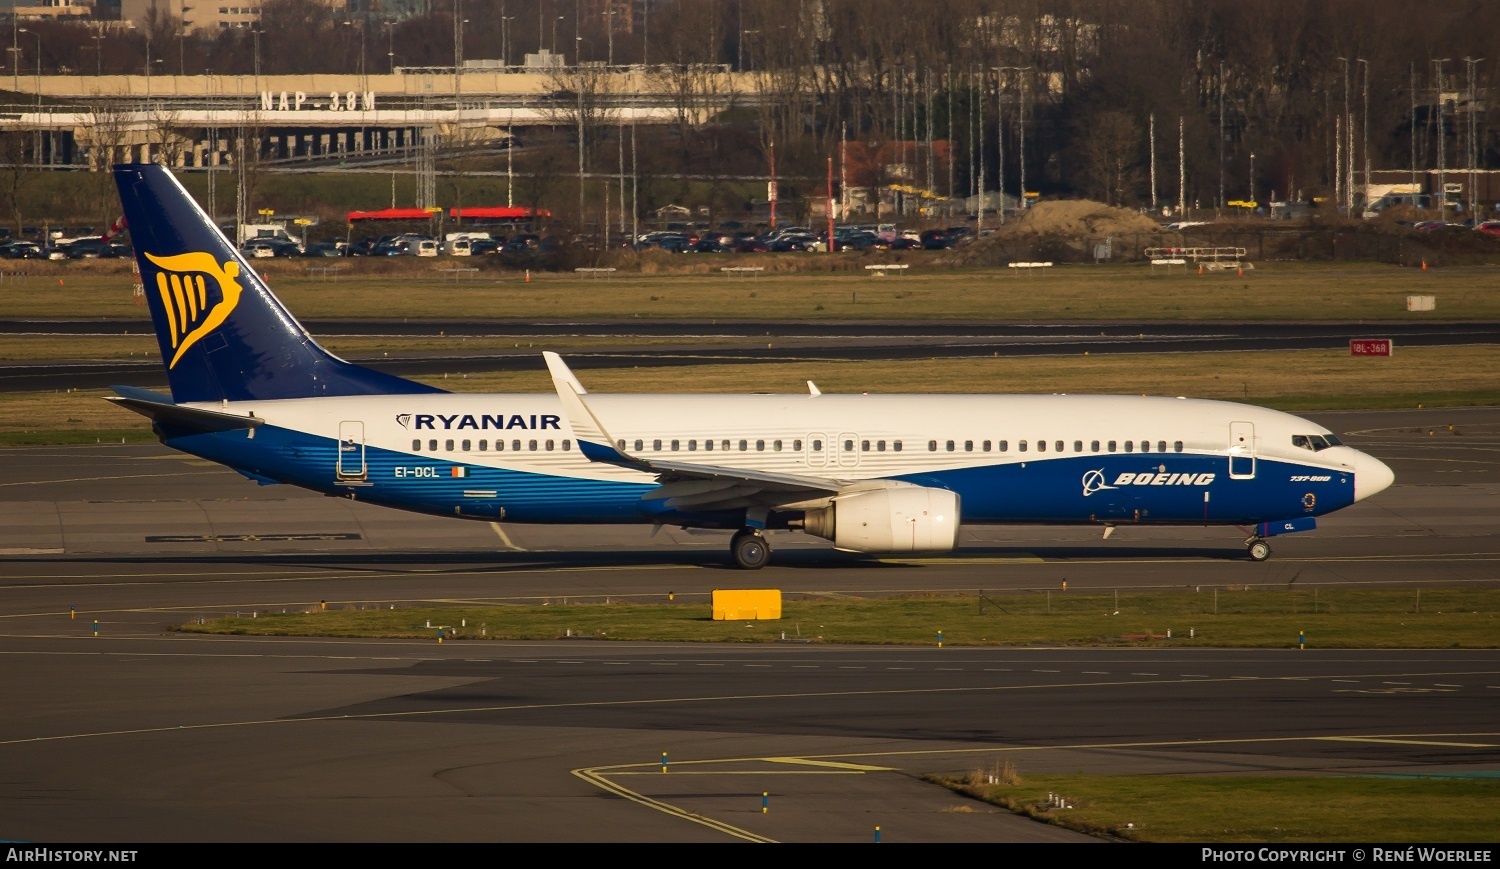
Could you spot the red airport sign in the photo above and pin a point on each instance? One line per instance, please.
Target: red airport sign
(1371, 347)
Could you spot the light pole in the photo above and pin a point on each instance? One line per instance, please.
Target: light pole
(1252, 178)
(1442, 133)
(1365, 136)
(182, 42)
(1473, 146)
(390, 43)
(554, 32)
(743, 34)
(98, 54)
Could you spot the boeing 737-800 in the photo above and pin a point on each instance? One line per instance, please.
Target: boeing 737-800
(251, 389)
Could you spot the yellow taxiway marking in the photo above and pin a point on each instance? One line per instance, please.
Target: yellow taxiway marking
(853, 767)
(505, 538)
(1405, 741)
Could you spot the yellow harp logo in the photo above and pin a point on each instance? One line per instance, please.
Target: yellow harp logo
(186, 299)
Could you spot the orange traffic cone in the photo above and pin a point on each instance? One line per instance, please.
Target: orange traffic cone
(1424, 265)
(528, 274)
(1200, 268)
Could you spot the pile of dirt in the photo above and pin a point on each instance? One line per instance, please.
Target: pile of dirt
(1063, 230)
(1080, 217)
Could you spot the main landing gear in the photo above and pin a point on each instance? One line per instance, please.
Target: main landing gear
(1257, 549)
(750, 549)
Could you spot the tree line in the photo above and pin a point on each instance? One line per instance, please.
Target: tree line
(1291, 98)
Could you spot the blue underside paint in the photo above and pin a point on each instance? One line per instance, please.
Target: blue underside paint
(1064, 491)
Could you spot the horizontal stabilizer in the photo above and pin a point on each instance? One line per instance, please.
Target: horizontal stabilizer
(160, 408)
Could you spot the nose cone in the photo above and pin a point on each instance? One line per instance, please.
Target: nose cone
(1371, 476)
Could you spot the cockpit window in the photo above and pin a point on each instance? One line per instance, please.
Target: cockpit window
(1315, 442)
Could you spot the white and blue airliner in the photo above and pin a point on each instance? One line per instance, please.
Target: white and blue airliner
(251, 389)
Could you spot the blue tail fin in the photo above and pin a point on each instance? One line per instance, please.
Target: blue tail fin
(223, 334)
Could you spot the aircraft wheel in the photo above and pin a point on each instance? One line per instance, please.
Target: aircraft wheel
(1258, 550)
(750, 549)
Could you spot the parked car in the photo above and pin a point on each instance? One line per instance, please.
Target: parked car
(323, 248)
(25, 250)
(1489, 227)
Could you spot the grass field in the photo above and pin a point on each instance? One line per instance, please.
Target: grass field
(417, 289)
(1291, 380)
(1207, 615)
(1251, 809)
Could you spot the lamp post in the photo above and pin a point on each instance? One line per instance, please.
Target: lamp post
(1021, 138)
(390, 43)
(1473, 145)
(1365, 136)
(554, 33)
(1442, 133)
(1252, 178)
(182, 42)
(98, 54)
(743, 34)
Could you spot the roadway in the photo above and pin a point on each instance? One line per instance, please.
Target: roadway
(140, 734)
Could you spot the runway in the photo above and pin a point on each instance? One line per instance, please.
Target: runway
(139, 734)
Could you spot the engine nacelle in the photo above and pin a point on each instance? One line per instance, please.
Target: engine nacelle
(902, 519)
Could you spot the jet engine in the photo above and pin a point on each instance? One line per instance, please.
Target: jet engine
(901, 519)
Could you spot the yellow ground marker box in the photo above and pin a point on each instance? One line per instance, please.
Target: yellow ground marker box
(747, 604)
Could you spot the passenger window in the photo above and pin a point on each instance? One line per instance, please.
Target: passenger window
(725, 446)
(550, 444)
(776, 446)
(760, 446)
(950, 446)
(797, 445)
(693, 445)
(416, 445)
(744, 445)
(1077, 446)
(708, 444)
(656, 445)
(1021, 446)
(817, 445)
(432, 446)
(1111, 446)
(880, 446)
(968, 446)
(515, 445)
(932, 446)
(484, 445)
(1093, 446)
(567, 444)
(500, 446)
(675, 445)
(1161, 446)
(864, 446)
(1041, 446)
(621, 444)
(448, 445)
(1058, 445)
(639, 445)
(897, 446)
(1145, 446)
(985, 446)
(1005, 446)
(467, 444)
(531, 445)
(1177, 447)
(1130, 446)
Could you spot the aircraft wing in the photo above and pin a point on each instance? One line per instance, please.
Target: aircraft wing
(684, 485)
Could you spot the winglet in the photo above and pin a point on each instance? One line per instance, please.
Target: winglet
(593, 441)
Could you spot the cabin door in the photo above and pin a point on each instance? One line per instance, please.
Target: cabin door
(351, 460)
(1242, 451)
